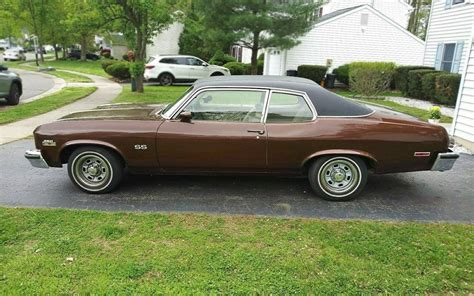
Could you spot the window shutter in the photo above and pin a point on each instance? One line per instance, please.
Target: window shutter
(448, 4)
(457, 57)
(439, 55)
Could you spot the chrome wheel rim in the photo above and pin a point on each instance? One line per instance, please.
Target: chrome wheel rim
(92, 171)
(339, 177)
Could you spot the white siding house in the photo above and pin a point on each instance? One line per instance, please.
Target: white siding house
(449, 47)
(360, 33)
(397, 10)
(167, 41)
(449, 32)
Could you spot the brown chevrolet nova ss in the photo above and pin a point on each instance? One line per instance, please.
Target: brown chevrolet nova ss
(243, 125)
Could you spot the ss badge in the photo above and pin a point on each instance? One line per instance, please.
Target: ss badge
(141, 147)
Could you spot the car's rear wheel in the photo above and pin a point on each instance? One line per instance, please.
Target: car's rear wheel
(95, 169)
(217, 74)
(338, 177)
(166, 79)
(14, 96)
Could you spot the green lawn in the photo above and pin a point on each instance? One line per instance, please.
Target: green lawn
(63, 97)
(68, 77)
(151, 95)
(416, 112)
(87, 67)
(84, 252)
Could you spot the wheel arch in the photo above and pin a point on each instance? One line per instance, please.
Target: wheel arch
(217, 73)
(369, 159)
(67, 149)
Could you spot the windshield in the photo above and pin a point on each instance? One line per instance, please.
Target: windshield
(168, 110)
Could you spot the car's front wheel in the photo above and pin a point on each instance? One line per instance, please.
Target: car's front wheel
(338, 177)
(14, 96)
(165, 79)
(95, 169)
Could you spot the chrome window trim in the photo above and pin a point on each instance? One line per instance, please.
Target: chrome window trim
(193, 95)
(302, 94)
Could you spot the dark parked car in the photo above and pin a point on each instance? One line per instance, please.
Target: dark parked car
(244, 125)
(10, 86)
(76, 54)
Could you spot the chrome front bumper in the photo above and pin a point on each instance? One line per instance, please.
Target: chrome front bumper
(445, 161)
(35, 158)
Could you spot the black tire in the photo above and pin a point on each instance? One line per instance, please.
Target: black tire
(95, 169)
(217, 74)
(166, 79)
(338, 177)
(14, 96)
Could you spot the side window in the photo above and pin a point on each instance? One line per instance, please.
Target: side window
(228, 105)
(168, 61)
(194, 62)
(182, 61)
(284, 108)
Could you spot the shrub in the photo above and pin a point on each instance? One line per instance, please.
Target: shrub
(125, 57)
(107, 63)
(370, 78)
(136, 68)
(400, 77)
(428, 85)
(342, 73)
(237, 68)
(447, 88)
(312, 72)
(435, 112)
(220, 58)
(119, 70)
(414, 83)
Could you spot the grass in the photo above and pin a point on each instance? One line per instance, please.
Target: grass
(66, 76)
(63, 97)
(85, 252)
(87, 67)
(151, 95)
(415, 112)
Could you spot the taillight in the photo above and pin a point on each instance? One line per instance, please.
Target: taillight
(149, 67)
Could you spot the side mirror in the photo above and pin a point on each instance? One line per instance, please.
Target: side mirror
(205, 64)
(185, 116)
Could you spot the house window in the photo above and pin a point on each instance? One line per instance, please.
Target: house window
(448, 57)
(320, 12)
(457, 2)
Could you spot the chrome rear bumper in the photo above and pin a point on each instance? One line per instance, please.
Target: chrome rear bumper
(35, 158)
(445, 161)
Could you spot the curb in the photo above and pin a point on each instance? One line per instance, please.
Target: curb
(58, 85)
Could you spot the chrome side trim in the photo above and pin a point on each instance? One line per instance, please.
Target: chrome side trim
(445, 161)
(35, 159)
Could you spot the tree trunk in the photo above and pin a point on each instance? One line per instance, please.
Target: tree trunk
(83, 48)
(254, 59)
(56, 54)
(140, 58)
(40, 45)
(64, 51)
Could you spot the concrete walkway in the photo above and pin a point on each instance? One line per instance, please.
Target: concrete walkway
(105, 93)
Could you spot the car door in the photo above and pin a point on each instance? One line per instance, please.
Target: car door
(225, 134)
(292, 134)
(197, 68)
(4, 83)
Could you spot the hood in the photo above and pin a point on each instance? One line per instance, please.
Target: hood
(215, 67)
(118, 112)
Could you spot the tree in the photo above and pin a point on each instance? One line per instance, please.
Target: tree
(9, 27)
(418, 21)
(258, 24)
(139, 20)
(84, 20)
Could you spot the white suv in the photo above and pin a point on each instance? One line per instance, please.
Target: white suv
(180, 68)
(14, 54)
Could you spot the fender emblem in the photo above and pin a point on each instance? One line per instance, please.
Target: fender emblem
(141, 147)
(422, 154)
(49, 143)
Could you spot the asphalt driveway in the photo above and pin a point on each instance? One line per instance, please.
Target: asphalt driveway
(423, 196)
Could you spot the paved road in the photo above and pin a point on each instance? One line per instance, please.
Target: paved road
(33, 84)
(426, 196)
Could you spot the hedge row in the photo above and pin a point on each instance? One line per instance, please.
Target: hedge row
(401, 78)
(312, 72)
(440, 87)
(237, 68)
(117, 69)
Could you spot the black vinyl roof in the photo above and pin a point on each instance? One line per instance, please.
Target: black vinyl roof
(325, 102)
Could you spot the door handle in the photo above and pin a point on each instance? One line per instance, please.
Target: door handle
(260, 132)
